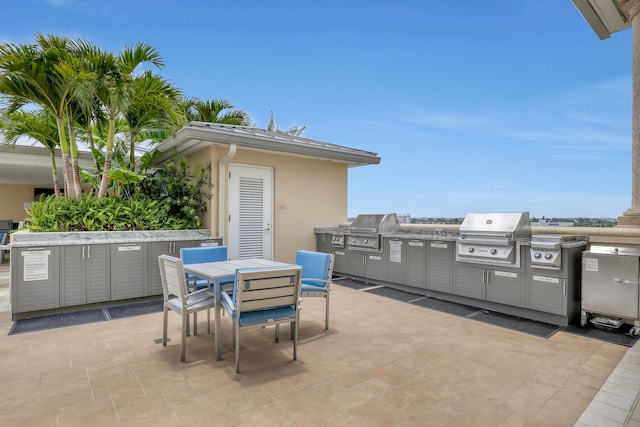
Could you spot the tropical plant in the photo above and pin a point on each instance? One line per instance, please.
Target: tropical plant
(185, 193)
(295, 130)
(213, 111)
(114, 87)
(40, 127)
(152, 114)
(47, 74)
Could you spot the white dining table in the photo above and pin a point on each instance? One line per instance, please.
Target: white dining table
(220, 272)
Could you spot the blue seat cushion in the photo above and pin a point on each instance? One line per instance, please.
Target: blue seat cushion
(263, 316)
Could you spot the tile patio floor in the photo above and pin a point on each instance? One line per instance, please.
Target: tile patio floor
(382, 363)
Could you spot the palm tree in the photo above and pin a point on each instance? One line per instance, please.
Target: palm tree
(114, 88)
(214, 111)
(38, 125)
(295, 130)
(152, 114)
(46, 74)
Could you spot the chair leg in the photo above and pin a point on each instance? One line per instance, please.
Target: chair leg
(237, 350)
(164, 326)
(209, 321)
(195, 323)
(277, 332)
(326, 316)
(183, 343)
(295, 341)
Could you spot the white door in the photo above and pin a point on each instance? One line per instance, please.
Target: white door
(250, 212)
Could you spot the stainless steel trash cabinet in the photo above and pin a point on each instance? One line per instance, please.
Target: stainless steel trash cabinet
(610, 280)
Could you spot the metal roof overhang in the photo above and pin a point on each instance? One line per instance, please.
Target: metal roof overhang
(197, 135)
(604, 16)
(29, 165)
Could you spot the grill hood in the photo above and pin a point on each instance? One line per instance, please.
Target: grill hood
(375, 223)
(509, 226)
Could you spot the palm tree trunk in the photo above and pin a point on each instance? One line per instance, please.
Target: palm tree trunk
(74, 161)
(54, 171)
(132, 152)
(64, 148)
(104, 183)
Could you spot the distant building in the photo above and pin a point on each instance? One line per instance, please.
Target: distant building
(404, 219)
(546, 223)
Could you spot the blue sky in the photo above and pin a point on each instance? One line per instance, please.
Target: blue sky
(473, 106)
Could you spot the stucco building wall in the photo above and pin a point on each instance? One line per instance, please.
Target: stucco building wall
(308, 193)
(12, 200)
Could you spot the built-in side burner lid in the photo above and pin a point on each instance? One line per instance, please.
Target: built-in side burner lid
(556, 241)
(512, 226)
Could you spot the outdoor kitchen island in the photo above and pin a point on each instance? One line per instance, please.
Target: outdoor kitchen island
(493, 263)
(70, 271)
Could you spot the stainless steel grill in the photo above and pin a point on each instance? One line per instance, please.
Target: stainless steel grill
(365, 231)
(493, 238)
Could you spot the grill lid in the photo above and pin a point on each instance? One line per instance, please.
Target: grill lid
(375, 223)
(510, 226)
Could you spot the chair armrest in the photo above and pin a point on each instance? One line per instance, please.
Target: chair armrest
(228, 304)
(327, 283)
(201, 291)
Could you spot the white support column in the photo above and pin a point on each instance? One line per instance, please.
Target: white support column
(631, 217)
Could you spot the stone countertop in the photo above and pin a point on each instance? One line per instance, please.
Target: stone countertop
(26, 238)
(414, 235)
(422, 235)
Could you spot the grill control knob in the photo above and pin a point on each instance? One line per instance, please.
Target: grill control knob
(537, 255)
(548, 256)
(472, 250)
(494, 251)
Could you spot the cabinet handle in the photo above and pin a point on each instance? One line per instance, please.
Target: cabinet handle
(564, 287)
(88, 251)
(83, 252)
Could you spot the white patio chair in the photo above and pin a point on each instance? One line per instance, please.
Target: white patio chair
(178, 298)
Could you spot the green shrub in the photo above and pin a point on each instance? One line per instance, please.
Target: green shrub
(170, 199)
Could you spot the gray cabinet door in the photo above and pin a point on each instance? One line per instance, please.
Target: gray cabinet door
(374, 268)
(34, 279)
(128, 270)
(416, 263)
(349, 263)
(98, 273)
(340, 262)
(84, 274)
(73, 289)
(395, 261)
(505, 287)
(470, 282)
(440, 266)
(547, 294)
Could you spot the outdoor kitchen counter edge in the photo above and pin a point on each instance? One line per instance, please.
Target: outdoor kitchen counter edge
(24, 239)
